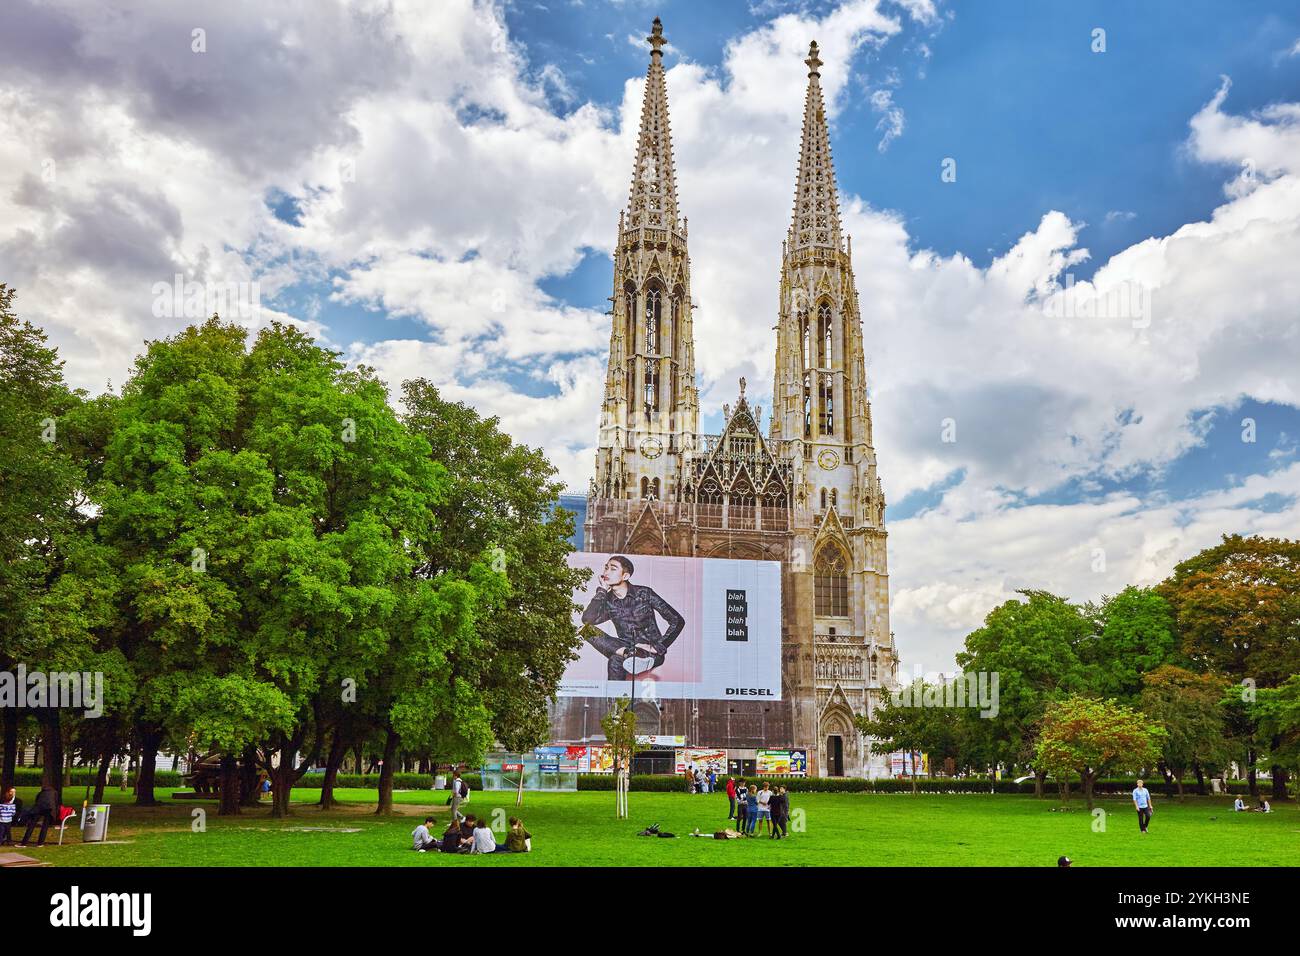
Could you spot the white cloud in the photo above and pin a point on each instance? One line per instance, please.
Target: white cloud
(436, 180)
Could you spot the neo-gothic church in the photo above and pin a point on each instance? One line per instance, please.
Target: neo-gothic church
(806, 495)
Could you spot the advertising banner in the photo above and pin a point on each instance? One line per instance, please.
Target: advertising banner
(671, 628)
(781, 763)
(701, 759)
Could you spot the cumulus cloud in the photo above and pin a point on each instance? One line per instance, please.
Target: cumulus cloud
(436, 173)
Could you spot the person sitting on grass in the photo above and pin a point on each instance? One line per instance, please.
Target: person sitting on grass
(453, 839)
(1238, 805)
(484, 840)
(1263, 806)
(518, 840)
(8, 810)
(422, 839)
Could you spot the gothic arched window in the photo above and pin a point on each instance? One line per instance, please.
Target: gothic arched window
(654, 306)
(645, 487)
(651, 388)
(805, 340)
(831, 582)
(823, 499)
(807, 405)
(824, 335)
(828, 404)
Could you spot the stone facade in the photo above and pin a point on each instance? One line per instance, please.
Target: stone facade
(807, 495)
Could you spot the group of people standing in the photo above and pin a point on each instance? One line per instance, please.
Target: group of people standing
(701, 780)
(753, 806)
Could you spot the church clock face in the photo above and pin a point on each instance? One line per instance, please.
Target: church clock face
(652, 448)
(828, 459)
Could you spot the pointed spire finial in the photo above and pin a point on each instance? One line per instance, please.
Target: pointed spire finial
(656, 38)
(814, 62)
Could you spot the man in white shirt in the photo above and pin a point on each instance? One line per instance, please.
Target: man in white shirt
(765, 805)
(1142, 801)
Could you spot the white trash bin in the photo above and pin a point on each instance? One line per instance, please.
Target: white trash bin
(440, 782)
(94, 823)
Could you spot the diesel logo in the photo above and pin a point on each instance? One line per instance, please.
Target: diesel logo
(750, 692)
(737, 615)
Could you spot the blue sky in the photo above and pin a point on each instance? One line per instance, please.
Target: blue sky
(437, 195)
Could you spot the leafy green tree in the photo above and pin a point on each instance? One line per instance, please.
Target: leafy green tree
(903, 723)
(500, 506)
(1134, 634)
(1034, 647)
(1237, 608)
(1187, 706)
(42, 483)
(619, 727)
(1092, 737)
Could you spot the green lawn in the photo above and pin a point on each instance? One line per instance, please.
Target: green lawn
(579, 829)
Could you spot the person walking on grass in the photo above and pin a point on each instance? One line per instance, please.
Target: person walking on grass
(731, 798)
(1142, 801)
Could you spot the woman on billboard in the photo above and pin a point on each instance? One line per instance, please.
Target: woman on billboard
(632, 608)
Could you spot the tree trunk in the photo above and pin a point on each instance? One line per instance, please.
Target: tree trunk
(338, 749)
(248, 793)
(229, 806)
(52, 772)
(11, 753)
(1279, 782)
(1200, 778)
(386, 773)
(1252, 777)
(1040, 778)
(149, 742)
(1088, 777)
(101, 778)
(1178, 779)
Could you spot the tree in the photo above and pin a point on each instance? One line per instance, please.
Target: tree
(1187, 706)
(1033, 646)
(42, 483)
(902, 723)
(500, 506)
(619, 726)
(1090, 737)
(1237, 607)
(1134, 634)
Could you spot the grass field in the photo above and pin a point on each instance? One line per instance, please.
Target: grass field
(579, 829)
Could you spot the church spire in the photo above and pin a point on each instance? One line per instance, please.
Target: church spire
(653, 199)
(816, 204)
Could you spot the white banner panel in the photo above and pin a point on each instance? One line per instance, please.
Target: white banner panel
(672, 628)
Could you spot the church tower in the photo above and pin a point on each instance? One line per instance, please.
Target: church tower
(822, 417)
(806, 497)
(650, 413)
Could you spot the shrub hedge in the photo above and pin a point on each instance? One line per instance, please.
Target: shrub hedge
(670, 783)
